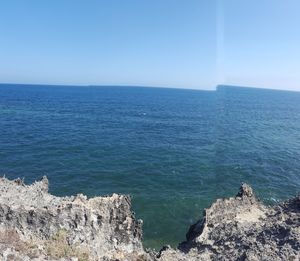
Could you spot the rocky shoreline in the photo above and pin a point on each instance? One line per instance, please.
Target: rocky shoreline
(35, 225)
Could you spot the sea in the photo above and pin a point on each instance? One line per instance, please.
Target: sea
(174, 151)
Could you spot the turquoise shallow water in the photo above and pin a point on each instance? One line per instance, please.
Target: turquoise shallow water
(174, 151)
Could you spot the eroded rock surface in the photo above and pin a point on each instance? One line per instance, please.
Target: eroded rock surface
(35, 225)
(241, 228)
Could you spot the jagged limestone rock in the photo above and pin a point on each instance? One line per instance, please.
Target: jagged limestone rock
(35, 225)
(98, 228)
(242, 228)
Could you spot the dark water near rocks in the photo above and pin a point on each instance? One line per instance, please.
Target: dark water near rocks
(174, 151)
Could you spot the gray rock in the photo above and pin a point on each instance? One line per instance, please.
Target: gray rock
(242, 228)
(100, 228)
(35, 225)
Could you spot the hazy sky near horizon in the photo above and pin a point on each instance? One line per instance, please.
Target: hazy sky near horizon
(175, 43)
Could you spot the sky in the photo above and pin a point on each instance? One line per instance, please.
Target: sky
(168, 43)
(260, 44)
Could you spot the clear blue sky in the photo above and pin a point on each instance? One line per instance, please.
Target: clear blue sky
(176, 43)
(261, 43)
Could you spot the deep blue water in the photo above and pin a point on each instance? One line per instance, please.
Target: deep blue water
(174, 151)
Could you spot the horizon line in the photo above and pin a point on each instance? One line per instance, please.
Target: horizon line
(109, 85)
(151, 86)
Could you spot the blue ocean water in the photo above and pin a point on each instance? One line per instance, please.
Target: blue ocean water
(174, 151)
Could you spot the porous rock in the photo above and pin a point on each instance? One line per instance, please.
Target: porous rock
(242, 228)
(35, 225)
(100, 228)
